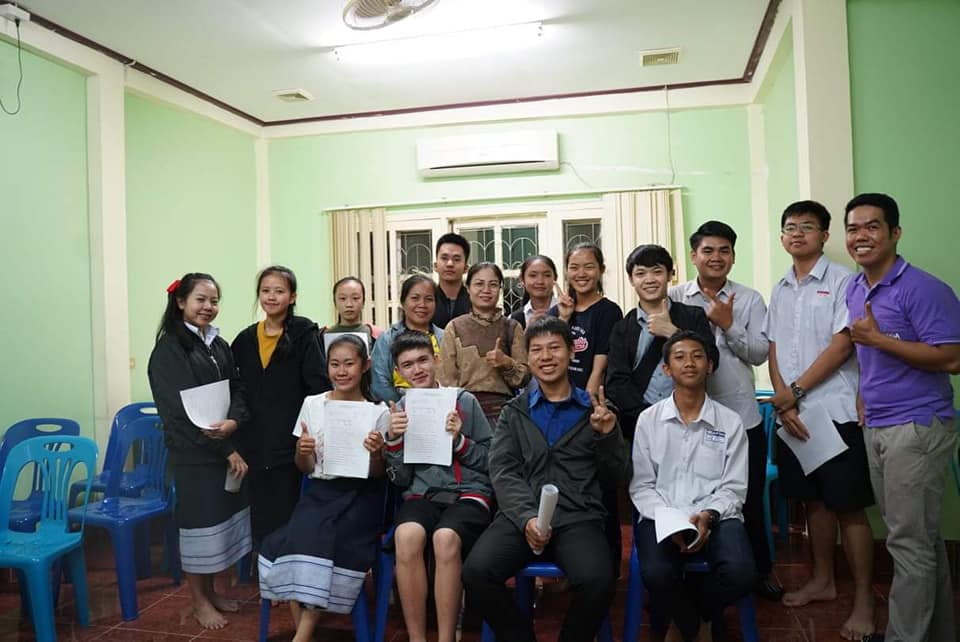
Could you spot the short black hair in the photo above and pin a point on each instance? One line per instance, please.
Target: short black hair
(548, 325)
(455, 239)
(884, 202)
(709, 346)
(807, 207)
(410, 341)
(713, 228)
(649, 256)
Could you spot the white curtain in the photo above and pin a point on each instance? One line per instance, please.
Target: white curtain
(649, 216)
(360, 249)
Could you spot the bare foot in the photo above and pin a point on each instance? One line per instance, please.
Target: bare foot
(860, 623)
(224, 605)
(209, 617)
(706, 633)
(810, 592)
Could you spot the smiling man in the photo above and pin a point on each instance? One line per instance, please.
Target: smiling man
(906, 327)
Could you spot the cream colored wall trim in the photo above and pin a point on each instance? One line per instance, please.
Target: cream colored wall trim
(760, 217)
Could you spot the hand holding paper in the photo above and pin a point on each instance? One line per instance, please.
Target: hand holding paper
(427, 439)
(823, 444)
(671, 521)
(207, 405)
(549, 495)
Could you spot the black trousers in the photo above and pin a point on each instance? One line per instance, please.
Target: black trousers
(273, 494)
(753, 506)
(690, 599)
(580, 550)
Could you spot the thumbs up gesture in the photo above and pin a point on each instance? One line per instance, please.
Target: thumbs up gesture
(565, 303)
(719, 313)
(659, 322)
(602, 419)
(496, 357)
(398, 422)
(306, 444)
(865, 330)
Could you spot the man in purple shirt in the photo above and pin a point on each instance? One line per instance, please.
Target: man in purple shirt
(906, 327)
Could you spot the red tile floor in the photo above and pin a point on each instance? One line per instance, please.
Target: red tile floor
(161, 606)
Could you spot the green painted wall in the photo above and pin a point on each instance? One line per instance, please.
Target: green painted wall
(46, 341)
(609, 152)
(905, 88)
(191, 207)
(778, 99)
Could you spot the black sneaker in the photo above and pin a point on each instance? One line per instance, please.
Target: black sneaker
(769, 590)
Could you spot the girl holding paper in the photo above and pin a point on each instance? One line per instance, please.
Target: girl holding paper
(483, 351)
(280, 363)
(320, 559)
(214, 524)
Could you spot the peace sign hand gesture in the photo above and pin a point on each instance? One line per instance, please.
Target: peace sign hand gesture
(602, 419)
(719, 313)
(565, 303)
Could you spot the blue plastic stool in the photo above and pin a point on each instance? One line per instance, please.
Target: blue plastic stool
(123, 516)
(633, 609)
(33, 554)
(524, 580)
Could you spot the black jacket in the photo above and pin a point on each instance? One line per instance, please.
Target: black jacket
(275, 393)
(521, 462)
(173, 368)
(625, 384)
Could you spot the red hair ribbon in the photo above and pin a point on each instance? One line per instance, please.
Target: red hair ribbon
(173, 286)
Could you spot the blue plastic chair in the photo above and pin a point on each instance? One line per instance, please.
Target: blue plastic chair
(33, 554)
(132, 481)
(773, 474)
(524, 581)
(633, 609)
(25, 513)
(122, 516)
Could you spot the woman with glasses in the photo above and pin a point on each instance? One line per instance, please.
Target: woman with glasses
(483, 351)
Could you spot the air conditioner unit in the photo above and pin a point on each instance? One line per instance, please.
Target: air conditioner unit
(491, 153)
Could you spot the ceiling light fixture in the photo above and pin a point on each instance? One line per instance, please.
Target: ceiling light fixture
(444, 46)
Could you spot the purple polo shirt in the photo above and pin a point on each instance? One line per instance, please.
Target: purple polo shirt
(911, 305)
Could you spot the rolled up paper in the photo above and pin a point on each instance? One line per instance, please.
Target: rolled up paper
(549, 495)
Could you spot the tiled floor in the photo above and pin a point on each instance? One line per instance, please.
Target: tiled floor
(162, 605)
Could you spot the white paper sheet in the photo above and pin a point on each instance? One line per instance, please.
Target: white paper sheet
(330, 337)
(345, 425)
(549, 495)
(426, 440)
(824, 443)
(669, 520)
(208, 404)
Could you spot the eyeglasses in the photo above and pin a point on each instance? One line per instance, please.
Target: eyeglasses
(485, 285)
(804, 228)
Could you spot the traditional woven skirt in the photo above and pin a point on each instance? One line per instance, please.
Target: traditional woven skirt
(321, 557)
(214, 524)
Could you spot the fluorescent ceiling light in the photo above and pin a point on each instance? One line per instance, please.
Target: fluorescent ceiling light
(445, 46)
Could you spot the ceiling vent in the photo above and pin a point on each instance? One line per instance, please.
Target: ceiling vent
(657, 57)
(294, 95)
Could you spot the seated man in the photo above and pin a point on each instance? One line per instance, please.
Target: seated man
(690, 453)
(445, 507)
(553, 433)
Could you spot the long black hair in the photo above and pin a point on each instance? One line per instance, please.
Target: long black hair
(285, 344)
(598, 256)
(530, 260)
(172, 320)
(360, 347)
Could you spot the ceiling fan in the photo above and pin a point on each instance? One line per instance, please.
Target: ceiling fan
(365, 15)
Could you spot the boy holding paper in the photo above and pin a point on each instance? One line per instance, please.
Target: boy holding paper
(690, 459)
(552, 433)
(813, 369)
(446, 505)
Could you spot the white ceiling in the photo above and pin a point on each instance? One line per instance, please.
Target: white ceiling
(242, 51)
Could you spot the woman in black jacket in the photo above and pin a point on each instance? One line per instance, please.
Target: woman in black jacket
(280, 363)
(214, 522)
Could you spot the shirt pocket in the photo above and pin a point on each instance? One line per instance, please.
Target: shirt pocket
(708, 462)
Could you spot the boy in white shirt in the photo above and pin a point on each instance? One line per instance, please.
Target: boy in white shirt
(690, 453)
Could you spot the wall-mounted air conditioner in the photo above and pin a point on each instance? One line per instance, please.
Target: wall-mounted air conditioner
(490, 153)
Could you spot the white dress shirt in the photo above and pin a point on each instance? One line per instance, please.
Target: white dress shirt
(692, 467)
(741, 346)
(801, 320)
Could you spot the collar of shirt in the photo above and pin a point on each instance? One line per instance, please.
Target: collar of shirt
(578, 396)
(556, 418)
(693, 289)
(895, 272)
(212, 333)
(819, 269)
(642, 316)
(528, 307)
(708, 414)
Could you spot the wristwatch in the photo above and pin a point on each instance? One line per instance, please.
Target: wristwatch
(714, 518)
(798, 392)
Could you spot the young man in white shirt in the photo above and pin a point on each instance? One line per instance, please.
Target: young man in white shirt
(812, 364)
(736, 315)
(690, 453)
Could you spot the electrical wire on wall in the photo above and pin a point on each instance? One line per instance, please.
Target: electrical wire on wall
(20, 80)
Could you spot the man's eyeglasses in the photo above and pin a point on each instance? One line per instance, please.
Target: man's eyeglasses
(805, 228)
